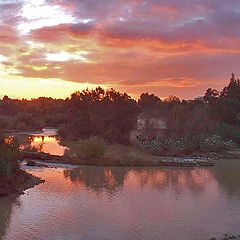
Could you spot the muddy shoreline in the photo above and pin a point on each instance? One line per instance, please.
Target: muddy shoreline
(14, 186)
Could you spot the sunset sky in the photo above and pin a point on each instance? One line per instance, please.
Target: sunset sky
(165, 47)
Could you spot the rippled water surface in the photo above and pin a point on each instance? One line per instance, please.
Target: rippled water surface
(91, 203)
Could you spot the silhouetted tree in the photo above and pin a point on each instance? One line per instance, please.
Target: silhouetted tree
(148, 101)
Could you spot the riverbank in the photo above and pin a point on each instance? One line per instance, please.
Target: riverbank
(16, 184)
(227, 236)
(130, 160)
(114, 154)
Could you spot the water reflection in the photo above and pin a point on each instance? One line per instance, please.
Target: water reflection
(113, 179)
(127, 203)
(225, 176)
(179, 180)
(5, 215)
(46, 144)
(227, 173)
(6, 210)
(98, 179)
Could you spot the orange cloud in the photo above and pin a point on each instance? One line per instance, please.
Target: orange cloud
(132, 45)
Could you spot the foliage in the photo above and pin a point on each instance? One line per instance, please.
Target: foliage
(92, 147)
(172, 99)
(230, 133)
(147, 101)
(6, 168)
(207, 124)
(9, 155)
(98, 112)
(112, 115)
(177, 146)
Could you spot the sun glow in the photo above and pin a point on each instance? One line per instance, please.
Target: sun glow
(40, 14)
(64, 56)
(19, 87)
(48, 145)
(161, 47)
(3, 58)
(45, 139)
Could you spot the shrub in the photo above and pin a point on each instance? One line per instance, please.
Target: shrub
(177, 146)
(9, 155)
(62, 132)
(6, 168)
(92, 147)
(230, 133)
(213, 143)
(68, 154)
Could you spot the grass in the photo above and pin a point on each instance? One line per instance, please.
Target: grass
(93, 147)
(115, 154)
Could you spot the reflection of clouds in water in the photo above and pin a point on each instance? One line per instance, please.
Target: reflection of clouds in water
(125, 203)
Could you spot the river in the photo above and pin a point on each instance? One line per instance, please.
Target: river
(118, 203)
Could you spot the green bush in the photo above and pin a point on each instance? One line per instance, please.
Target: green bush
(92, 147)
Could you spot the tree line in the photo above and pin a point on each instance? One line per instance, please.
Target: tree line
(111, 114)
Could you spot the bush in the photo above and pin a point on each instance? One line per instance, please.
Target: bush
(63, 132)
(213, 143)
(92, 147)
(230, 133)
(9, 155)
(6, 168)
(68, 154)
(178, 146)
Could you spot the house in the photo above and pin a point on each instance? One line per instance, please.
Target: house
(148, 125)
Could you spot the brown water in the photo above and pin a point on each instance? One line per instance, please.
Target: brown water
(126, 204)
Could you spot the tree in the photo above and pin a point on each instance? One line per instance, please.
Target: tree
(211, 95)
(230, 102)
(172, 99)
(110, 114)
(232, 90)
(9, 155)
(148, 101)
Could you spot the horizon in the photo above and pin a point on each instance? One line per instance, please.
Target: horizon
(54, 48)
(93, 88)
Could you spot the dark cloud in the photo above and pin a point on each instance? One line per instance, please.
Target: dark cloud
(62, 32)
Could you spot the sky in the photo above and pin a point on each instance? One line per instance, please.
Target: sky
(166, 47)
